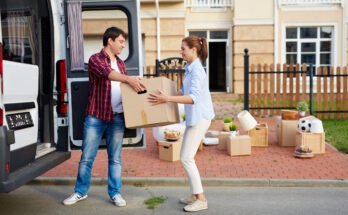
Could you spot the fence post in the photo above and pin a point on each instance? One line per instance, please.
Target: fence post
(246, 79)
(311, 89)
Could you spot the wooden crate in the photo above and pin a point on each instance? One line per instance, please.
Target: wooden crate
(259, 135)
(315, 141)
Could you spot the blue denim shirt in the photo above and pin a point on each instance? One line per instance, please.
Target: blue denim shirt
(196, 86)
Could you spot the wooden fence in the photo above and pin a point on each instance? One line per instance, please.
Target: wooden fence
(270, 88)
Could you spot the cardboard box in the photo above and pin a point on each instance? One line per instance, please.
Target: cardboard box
(315, 141)
(289, 114)
(169, 151)
(259, 135)
(286, 130)
(223, 140)
(139, 113)
(239, 145)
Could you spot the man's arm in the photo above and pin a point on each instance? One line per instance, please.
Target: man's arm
(133, 81)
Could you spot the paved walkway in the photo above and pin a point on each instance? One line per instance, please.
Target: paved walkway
(272, 162)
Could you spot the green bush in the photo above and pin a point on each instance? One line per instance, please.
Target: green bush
(227, 120)
(302, 106)
(233, 127)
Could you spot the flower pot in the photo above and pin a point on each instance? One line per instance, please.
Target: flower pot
(233, 133)
(302, 113)
(227, 126)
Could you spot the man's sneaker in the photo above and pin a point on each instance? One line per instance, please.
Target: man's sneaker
(188, 200)
(198, 205)
(118, 200)
(75, 197)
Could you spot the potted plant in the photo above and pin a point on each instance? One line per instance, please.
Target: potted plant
(227, 122)
(302, 107)
(233, 129)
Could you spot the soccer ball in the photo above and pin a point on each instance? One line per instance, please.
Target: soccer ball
(304, 125)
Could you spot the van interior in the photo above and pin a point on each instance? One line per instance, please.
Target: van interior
(27, 39)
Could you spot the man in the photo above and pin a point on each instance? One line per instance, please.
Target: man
(105, 114)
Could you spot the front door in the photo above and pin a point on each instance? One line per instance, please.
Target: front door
(217, 66)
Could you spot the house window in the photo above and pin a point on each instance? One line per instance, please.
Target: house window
(309, 45)
(202, 34)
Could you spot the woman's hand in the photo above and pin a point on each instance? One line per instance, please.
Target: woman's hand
(158, 98)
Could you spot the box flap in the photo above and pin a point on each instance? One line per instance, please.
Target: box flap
(168, 143)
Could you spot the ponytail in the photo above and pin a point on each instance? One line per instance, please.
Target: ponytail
(203, 53)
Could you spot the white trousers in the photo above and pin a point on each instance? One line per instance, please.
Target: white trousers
(191, 140)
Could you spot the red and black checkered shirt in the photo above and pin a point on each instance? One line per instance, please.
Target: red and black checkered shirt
(99, 99)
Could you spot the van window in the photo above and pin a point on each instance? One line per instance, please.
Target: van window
(20, 43)
(94, 24)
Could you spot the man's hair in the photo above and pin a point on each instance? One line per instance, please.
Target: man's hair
(113, 32)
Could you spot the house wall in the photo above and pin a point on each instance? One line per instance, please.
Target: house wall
(312, 17)
(253, 24)
(253, 29)
(172, 30)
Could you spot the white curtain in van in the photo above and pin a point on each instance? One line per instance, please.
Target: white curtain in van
(21, 28)
(21, 33)
(75, 34)
(16, 32)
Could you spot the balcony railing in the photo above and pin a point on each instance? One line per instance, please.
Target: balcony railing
(309, 2)
(209, 3)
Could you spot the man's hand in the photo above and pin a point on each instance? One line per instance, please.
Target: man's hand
(136, 83)
(158, 98)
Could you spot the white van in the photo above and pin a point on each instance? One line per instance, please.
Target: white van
(44, 50)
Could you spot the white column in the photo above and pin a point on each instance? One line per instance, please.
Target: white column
(158, 31)
(344, 34)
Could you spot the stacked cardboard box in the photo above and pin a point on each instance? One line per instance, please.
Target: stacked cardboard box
(259, 135)
(223, 140)
(286, 130)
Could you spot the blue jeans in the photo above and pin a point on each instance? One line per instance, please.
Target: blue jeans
(92, 136)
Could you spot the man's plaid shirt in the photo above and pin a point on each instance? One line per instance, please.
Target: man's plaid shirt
(99, 99)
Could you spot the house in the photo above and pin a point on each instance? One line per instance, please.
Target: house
(274, 31)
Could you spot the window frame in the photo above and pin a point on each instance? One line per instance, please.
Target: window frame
(28, 58)
(96, 7)
(334, 41)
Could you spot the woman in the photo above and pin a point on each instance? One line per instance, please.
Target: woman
(199, 113)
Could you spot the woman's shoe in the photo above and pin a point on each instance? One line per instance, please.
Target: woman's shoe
(188, 200)
(197, 205)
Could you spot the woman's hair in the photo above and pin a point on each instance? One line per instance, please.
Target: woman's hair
(113, 32)
(201, 45)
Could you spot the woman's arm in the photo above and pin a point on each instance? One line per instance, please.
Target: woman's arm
(159, 97)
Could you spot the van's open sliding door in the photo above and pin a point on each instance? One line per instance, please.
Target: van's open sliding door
(30, 143)
(96, 17)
